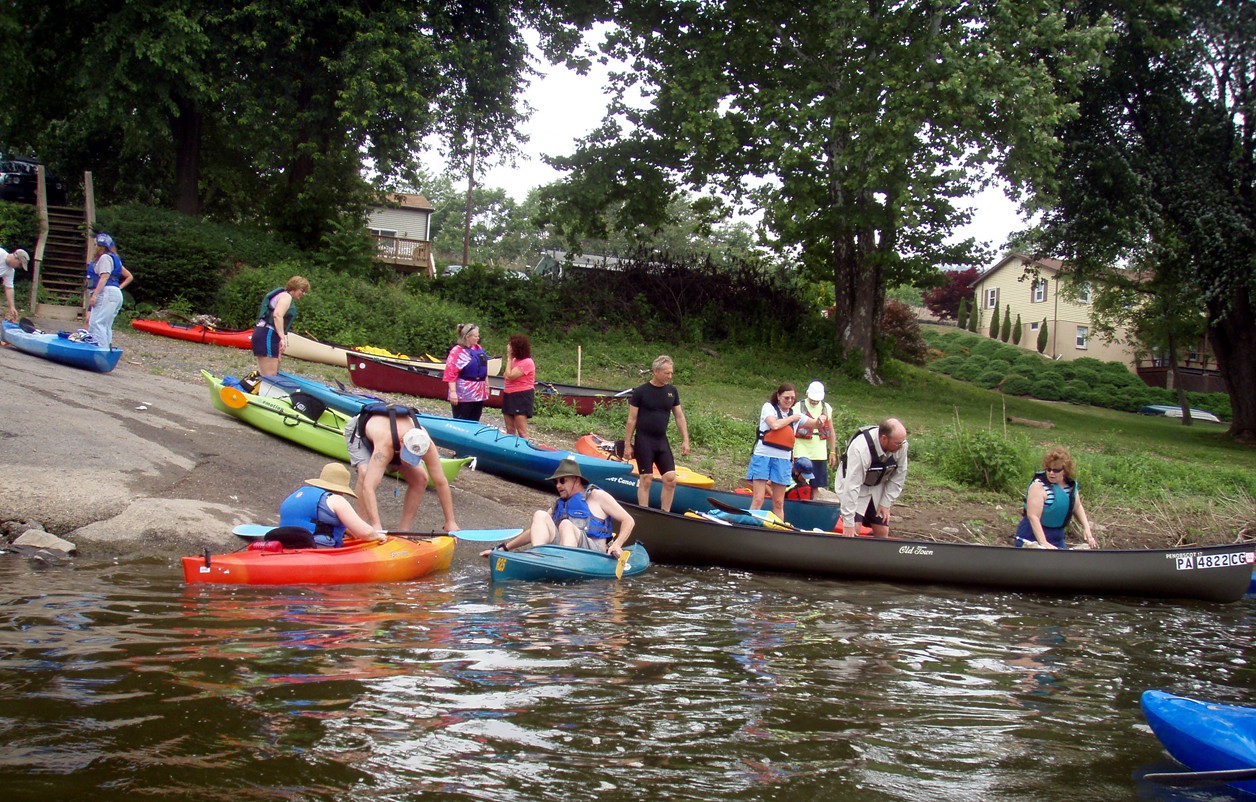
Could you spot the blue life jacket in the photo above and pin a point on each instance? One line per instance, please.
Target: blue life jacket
(576, 509)
(476, 368)
(1055, 511)
(307, 508)
(266, 312)
(115, 275)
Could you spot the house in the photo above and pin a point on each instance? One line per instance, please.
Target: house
(1032, 288)
(402, 227)
(553, 263)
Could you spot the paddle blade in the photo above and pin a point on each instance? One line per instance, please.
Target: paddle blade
(470, 535)
(251, 531)
(27, 326)
(233, 398)
(621, 562)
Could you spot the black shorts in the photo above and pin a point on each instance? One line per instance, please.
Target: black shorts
(870, 516)
(653, 452)
(265, 341)
(520, 403)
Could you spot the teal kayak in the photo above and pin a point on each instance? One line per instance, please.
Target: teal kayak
(563, 564)
(1204, 736)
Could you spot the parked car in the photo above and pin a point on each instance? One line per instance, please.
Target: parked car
(19, 182)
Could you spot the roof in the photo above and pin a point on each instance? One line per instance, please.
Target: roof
(409, 200)
(1044, 264)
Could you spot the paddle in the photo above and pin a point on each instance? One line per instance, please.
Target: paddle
(27, 326)
(1201, 778)
(251, 531)
(621, 562)
(729, 508)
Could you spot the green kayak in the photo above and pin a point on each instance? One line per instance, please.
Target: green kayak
(276, 416)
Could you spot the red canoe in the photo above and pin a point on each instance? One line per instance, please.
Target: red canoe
(193, 332)
(391, 376)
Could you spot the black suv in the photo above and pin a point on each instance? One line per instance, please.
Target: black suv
(18, 181)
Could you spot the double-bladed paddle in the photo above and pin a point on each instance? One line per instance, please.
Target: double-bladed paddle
(253, 531)
(760, 514)
(1201, 778)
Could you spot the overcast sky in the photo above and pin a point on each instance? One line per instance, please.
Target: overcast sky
(567, 106)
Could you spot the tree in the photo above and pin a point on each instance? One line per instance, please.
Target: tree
(1042, 337)
(944, 301)
(994, 322)
(1005, 333)
(263, 108)
(1159, 175)
(961, 314)
(1017, 330)
(974, 319)
(867, 119)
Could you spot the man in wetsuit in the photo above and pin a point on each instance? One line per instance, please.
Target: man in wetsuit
(649, 409)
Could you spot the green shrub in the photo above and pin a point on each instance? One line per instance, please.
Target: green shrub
(1016, 384)
(19, 227)
(947, 364)
(970, 370)
(1048, 389)
(987, 348)
(990, 378)
(983, 459)
(1076, 391)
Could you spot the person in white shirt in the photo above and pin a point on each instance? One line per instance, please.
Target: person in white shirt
(872, 476)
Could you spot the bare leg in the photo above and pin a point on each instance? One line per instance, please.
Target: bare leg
(643, 489)
(669, 491)
(543, 529)
(268, 365)
(778, 500)
(759, 486)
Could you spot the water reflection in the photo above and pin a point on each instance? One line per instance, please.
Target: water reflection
(674, 685)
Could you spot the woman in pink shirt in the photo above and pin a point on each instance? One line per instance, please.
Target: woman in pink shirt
(466, 373)
(520, 390)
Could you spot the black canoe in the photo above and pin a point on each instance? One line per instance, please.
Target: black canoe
(1212, 573)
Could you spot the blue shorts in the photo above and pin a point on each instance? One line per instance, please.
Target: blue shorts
(776, 470)
(265, 341)
(1025, 534)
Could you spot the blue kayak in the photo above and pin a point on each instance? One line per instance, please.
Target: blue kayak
(1204, 736)
(56, 348)
(563, 564)
(340, 399)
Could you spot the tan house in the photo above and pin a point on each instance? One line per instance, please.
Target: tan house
(402, 227)
(1031, 288)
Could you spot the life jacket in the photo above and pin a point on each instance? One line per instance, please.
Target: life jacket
(807, 431)
(265, 312)
(576, 509)
(115, 275)
(799, 491)
(881, 466)
(782, 438)
(1054, 514)
(307, 508)
(476, 368)
(374, 408)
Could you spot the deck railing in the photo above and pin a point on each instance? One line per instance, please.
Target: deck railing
(407, 255)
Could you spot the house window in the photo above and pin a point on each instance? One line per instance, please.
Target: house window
(1034, 326)
(1083, 333)
(380, 232)
(992, 298)
(1040, 291)
(1083, 293)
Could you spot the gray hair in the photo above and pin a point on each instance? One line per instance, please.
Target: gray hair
(660, 361)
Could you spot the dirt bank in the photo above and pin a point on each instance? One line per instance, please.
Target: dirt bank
(138, 461)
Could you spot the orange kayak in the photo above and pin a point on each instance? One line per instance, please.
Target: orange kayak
(393, 560)
(593, 446)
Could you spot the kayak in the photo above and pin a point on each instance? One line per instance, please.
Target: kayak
(56, 348)
(592, 445)
(1204, 736)
(414, 378)
(284, 384)
(563, 564)
(1211, 573)
(277, 416)
(392, 560)
(311, 350)
(194, 332)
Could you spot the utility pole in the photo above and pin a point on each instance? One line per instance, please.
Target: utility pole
(466, 231)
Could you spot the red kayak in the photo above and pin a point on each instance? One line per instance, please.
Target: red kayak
(194, 332)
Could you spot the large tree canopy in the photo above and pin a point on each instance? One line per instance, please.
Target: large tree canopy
(262, 108)
(1159, 177)
(854, 125)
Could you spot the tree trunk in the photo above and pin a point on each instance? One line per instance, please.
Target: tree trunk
(1233, 334)
(187, 165)
(1174, 381)
(858, 294)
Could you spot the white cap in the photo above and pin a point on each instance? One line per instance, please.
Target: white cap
(414, 445)
(815, 391)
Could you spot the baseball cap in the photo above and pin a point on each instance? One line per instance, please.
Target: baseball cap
(414, 445)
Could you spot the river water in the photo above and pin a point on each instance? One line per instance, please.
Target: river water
(118, 682)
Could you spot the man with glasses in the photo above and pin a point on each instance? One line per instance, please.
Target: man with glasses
(873, 471)
(583, 517)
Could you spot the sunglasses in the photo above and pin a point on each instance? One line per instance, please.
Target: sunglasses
(1055, 470)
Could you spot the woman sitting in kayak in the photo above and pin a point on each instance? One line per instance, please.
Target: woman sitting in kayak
(317, 514)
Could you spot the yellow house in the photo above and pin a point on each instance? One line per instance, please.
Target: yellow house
(1031, 288)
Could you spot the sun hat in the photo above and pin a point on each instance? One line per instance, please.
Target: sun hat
(23, 258)
(104, 240)
(568, 467)
(414, 445)
(815, 391)
(335, 477)
(803, 467)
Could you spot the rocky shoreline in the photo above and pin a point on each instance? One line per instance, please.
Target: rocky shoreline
(138, 461)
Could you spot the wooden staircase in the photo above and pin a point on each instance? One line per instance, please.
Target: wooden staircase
(62, 269)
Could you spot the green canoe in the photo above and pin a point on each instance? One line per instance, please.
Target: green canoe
(276, 416)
